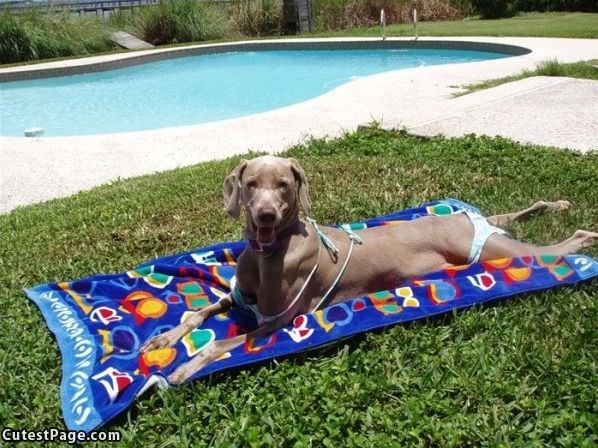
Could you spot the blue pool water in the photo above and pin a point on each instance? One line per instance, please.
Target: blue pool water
(196, 89)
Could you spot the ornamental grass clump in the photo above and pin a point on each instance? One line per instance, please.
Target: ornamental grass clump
(37, 35)
(174, 21)
(256, 17)
(329, 15)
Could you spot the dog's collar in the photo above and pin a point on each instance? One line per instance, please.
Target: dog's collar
(277, 244)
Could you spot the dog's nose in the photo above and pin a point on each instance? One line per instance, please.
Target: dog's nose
(266, 216)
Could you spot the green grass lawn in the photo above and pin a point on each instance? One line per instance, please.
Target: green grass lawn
(561, 24)
(519, 373)
(581, 69)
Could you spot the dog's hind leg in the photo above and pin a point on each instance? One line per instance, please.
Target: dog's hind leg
(171, 337)
(506, 218)
(501, 246)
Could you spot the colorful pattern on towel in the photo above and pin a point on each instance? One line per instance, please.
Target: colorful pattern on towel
(101, 321)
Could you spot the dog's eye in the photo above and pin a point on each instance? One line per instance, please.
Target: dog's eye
(251, 184)
(283, 185)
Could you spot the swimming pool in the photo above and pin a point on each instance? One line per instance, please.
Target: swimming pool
(197, 89)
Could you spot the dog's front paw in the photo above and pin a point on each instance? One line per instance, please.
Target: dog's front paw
(180, 375)
(167, 339)
(563, 205)
(202, 359)
(556, 205)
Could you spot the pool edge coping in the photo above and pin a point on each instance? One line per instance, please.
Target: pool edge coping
(103, 63)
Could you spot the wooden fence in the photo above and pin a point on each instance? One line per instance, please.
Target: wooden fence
(83, 7)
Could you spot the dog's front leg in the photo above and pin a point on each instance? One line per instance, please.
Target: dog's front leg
(171, 337)
(208, 355)
(218, 348)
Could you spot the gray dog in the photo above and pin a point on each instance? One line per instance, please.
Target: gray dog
(292, 266)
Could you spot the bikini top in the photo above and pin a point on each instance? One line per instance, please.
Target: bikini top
(249, 302)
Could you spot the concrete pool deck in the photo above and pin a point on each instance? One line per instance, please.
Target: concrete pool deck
(551, 111)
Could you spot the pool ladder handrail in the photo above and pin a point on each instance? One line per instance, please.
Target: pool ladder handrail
(415, 34)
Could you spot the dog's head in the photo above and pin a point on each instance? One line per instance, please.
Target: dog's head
(270, 188)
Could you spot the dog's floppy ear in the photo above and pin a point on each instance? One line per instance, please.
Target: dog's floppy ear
(301, 179)
(232, 190)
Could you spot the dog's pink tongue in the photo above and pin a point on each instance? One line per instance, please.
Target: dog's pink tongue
(265, 235)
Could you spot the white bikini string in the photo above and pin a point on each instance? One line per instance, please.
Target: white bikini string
(323, 239)
(354, 240)
(307, 280)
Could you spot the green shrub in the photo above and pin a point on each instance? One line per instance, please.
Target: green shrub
(37, 35)
(495, 9)
(257, 17)
(464, 6)
(558, 5)
(175, 21)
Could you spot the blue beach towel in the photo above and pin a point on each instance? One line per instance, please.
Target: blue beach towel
(101, 321)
